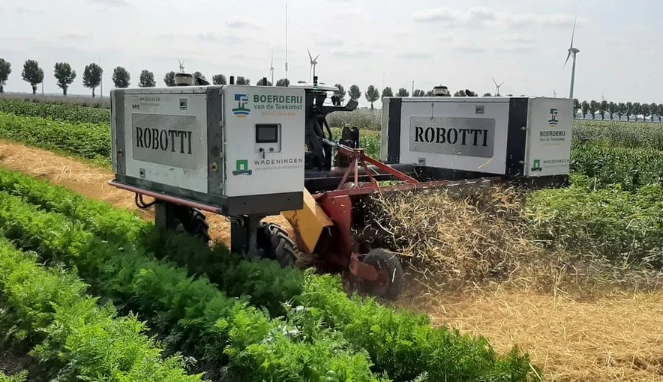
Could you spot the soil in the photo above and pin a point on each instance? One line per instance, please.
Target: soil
(91, 181)
(618, 337)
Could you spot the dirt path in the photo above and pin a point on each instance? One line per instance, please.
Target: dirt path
(91, 182)
(616, 338)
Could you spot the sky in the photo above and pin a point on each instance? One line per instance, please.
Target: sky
(462, 45)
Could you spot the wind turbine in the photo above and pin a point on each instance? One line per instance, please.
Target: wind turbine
(572, 51)
(181, 65)
(314, 62)
(554, 94)
(497, 87)
(271, 69)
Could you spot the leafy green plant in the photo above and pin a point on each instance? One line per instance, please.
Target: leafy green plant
(191, 315)
(401, 343)
(18, 377)
(86, 140)
(57, 112)
(48, 308)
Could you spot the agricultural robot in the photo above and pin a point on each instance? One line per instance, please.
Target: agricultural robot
(248, 152)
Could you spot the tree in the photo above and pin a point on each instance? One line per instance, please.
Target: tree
(121, 77)
(430, 93)
(460, 93)
(243, 81)
(5, 71)
(283, 82)
(402, 92)
(301, 82)
(603, 108)
(612, 109)
(169, 78)
(340, 92)
(198, 74)
(585, 109)
(629, 110)
(219, 79)
(32, 74)
(264, 82)
(576, 107)
(593, 108)
(92, 76)
(490, 95)
(64, 76)
(387, 92)
(372, 95)
(621, 109)
(354, 92)
(660, 111)
(637, 110)
(418, 93)
(147, 79)
(644, 108)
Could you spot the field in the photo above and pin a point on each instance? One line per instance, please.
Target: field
(561, 285)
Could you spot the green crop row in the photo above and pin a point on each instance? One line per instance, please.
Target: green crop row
(630, 167)
(18, 377)
(85, 140)
(403, 344)
(191, 315)
(623, 134)
(47, 308)
(58, 112)
(620, 226)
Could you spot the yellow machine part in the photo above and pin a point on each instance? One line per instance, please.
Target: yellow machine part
(308, 223)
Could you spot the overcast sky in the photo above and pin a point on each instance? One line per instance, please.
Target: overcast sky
(385, 43)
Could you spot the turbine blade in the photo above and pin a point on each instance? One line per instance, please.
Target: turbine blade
(309, 55)
(574, 31)
(316, 58)
(567, 59)
(495, 82)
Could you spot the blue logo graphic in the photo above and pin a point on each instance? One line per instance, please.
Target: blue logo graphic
(553, 118)
(240, 111)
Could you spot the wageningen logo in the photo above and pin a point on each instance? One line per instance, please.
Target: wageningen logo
(553, 118)
(242, 167)
(240, 111)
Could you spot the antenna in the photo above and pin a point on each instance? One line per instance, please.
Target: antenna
(286, 44)
(497, 87)
(314, 62)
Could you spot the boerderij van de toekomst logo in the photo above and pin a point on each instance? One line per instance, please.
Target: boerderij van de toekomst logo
(266, 102)
(552, 135)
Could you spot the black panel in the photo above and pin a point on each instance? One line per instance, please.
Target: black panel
(516, 137)
(394, 130)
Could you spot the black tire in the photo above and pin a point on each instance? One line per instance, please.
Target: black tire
(384, 261)
(274, 244)
(194, 222)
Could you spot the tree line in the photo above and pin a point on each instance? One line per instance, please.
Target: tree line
(64, 74)
(621, 109)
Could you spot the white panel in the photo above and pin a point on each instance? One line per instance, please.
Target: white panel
(476, 127)
(279, 167)
(178, 157)
(550, 123)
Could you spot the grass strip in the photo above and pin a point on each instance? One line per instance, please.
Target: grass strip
(48, 308)
(403, 344)
(190, 314)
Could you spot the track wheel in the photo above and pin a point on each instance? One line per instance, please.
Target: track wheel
(193, 222)
(390, 281)
(275, 244)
